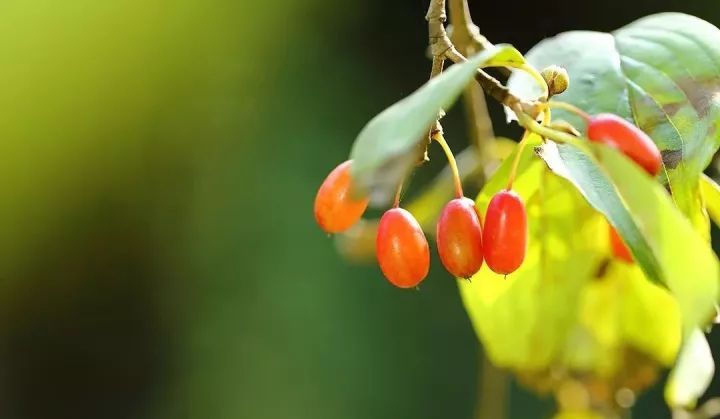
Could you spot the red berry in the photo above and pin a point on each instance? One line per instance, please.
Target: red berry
(619, 249)
(632, 141)
(459, 238)
(505, 232)
(335, 209)
(401, 248)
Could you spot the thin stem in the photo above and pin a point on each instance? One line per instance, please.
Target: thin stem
(516, 161)
(547, 116)
(493, 390)
(527, 122)
(438, 136)
(466, 37)
(479, 125)
(398, 192)
(492, 86)
(570, 108)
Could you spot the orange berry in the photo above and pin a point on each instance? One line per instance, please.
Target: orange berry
(630, 140)
(459, 238)
(505, 232)
(402, 249)
(335, 209)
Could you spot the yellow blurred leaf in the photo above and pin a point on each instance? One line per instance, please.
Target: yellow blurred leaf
(692, 373)
(624, 308)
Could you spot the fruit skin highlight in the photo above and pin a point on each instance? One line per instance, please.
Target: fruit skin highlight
(335, 208)
(505, 232)
(401, 248)
(618, 246)
(632, 141)
(459, 238)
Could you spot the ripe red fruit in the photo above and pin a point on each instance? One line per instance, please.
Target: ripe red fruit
(505, 232)
(459, 238)
(335, 209)
(632, 141)
(401, 248)
(619, 249)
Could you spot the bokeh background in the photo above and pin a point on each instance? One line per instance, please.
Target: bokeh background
(158, 254)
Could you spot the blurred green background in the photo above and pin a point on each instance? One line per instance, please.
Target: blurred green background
(158, 253)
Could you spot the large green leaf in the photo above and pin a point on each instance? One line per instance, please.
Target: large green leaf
(663, 73)
(392, 142)
(662, 241)
(523, 320)
(566, 305)
(584, 172)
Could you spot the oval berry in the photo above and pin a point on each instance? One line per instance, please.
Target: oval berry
(505, 232)
(618, 246)
(402, 249)
(630, 140)
(335, 208)
(459, 238)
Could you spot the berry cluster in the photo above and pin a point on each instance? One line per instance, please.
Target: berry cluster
(463, 242)
(401, 247)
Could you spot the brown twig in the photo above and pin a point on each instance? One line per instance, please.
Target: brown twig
(442, 46)
(493, 87)
(467, 39)
(492, 382)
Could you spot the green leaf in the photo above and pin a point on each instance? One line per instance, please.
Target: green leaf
(523, 320)
(583, 171)
(568, 305)
(660, 238)
(391, 144)
(692, 374)
(711, 197)
(663, 73)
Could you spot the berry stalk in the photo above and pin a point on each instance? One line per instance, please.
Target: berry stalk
(516, 161)
(437, 136)
(527, 122)
(398, 193)
(570, 108)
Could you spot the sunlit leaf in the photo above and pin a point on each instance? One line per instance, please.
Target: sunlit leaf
(663, 73)
(622, 309)
(689, 265)
(711, 197)
(660, 238)
(523, 320)
(583, 171)
(692, 374)
(393, 142)
(569, 304)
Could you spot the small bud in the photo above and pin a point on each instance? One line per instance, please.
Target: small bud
(556, 78)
